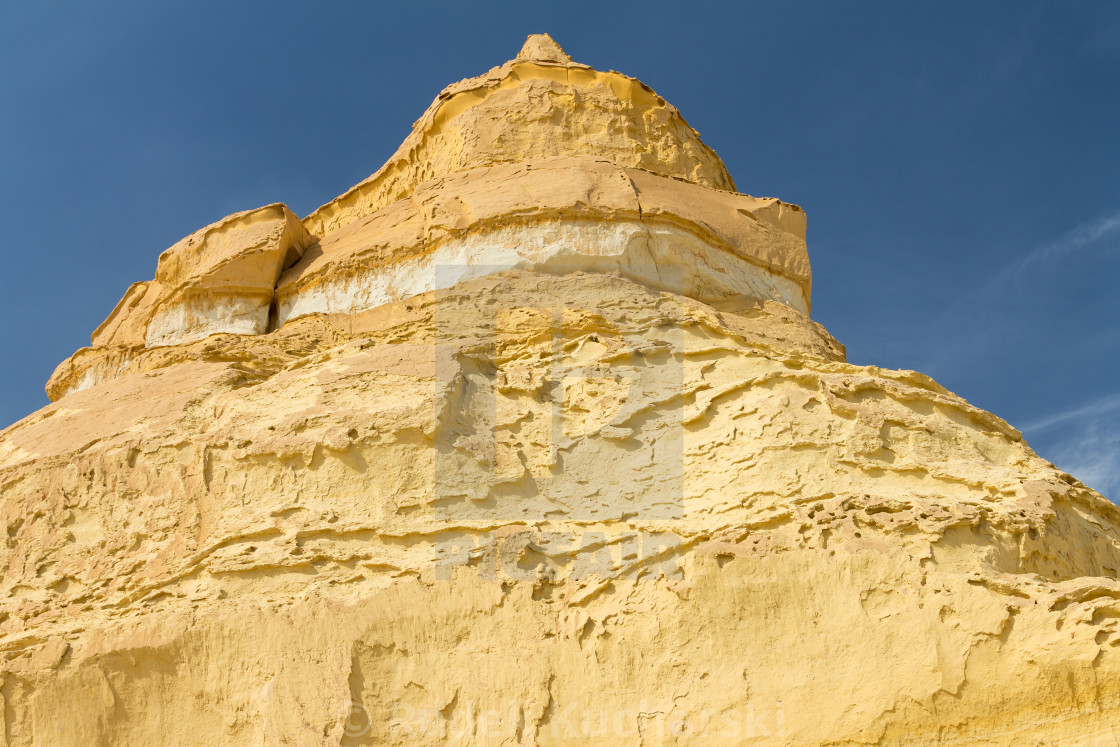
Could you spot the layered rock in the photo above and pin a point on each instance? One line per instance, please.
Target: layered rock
(529, 439)
(557, 216)
(539, 105)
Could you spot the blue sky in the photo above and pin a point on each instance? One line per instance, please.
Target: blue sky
(958, 161)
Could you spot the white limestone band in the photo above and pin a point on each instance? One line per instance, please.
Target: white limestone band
(660, 256)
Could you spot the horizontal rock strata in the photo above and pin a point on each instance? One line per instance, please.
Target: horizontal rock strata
(529, 439)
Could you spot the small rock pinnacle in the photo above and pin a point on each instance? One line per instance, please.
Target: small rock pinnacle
(542, 47)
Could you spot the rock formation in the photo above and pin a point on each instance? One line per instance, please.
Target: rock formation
(529, 439)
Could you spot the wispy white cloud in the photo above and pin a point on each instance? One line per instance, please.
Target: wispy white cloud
(1080, 237)
(1093, 457)
(1099, 407)
(1085, 442)
(1025, 266)
(979, 317)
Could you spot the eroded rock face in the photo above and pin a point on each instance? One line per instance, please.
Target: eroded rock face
(539, 105)
(557, 216)
(589, 475)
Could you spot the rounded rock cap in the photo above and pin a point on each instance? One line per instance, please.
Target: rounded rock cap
(539, 105)
(543, 48)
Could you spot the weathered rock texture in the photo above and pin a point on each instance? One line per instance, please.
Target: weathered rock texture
(529, 439)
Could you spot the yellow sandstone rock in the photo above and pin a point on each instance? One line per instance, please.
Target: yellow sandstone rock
(540, 105)
(529, 439)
